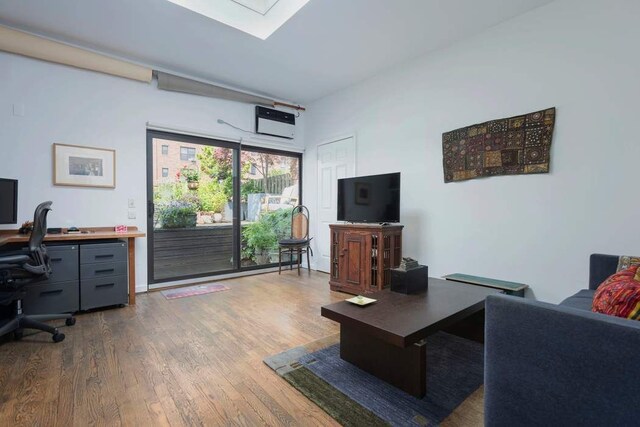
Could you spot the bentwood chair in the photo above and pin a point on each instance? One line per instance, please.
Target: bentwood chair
(299, 240)
(18, 269)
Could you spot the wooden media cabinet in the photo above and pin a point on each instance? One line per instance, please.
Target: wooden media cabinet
(362, 256)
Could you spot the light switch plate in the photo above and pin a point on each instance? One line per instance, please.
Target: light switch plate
(132, 203)
(132, 214)
(18, 110)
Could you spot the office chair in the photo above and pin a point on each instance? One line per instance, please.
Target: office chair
(20, 268)
(299, 240)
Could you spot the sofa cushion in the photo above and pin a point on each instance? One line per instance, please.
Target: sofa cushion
(582, 300)
(626, 261)
(619, 295)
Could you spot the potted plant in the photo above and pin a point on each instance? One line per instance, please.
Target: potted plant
(260, 239)
(192, 176)
(178, 214)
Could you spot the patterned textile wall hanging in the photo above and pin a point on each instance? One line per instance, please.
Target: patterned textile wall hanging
(513, 146)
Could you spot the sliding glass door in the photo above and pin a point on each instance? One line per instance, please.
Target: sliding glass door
(190, 206)
(270, 190)
(214, 207)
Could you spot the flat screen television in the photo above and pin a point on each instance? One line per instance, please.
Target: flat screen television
(374, 198)
(8, 201)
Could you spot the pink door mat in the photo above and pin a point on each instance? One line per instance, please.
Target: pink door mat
(193, 290)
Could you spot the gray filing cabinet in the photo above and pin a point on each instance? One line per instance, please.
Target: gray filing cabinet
(103, 275)
(83, 276)
(60, 293)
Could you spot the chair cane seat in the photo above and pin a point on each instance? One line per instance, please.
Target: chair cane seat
(293, 242)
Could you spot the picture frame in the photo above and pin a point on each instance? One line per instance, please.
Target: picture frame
(363, 193)
(79, 166)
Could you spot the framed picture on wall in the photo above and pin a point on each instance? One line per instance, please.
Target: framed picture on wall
(78, 166)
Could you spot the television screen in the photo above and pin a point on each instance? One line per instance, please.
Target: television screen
(374, 198)
(8, 201)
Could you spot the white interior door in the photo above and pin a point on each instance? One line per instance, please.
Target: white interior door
(336, 159)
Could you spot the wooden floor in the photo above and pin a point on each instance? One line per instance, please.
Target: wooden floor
(189, 361)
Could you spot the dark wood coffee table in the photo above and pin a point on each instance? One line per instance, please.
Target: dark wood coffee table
(386, 338)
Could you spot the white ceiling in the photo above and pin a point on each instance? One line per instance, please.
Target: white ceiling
(326, 46)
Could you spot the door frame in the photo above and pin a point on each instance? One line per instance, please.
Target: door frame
(211, 141)
(355, 172)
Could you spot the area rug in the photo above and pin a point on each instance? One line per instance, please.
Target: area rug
(193, 290)
(354, 397)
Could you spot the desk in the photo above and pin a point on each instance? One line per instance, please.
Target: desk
(94, 233)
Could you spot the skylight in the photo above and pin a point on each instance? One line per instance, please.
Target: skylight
(260, 18)
(260, 6)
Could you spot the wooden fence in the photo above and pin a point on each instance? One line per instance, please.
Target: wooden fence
(275, 184)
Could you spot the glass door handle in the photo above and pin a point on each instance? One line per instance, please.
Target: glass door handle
(150, 209)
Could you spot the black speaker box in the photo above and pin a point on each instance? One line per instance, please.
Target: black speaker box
(411, 281)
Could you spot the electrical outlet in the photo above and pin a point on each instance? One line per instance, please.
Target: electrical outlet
(132, 203)
(132, 214)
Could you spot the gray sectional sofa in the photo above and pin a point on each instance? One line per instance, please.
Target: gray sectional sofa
(561, 365)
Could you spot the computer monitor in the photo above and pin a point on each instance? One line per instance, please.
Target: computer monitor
(8, 201)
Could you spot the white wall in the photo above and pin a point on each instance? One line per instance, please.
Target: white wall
(71, 106)
(577, 55)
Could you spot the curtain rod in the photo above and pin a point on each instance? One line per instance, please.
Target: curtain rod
(176, 83)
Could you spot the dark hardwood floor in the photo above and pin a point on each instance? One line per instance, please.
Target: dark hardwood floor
(189, 361)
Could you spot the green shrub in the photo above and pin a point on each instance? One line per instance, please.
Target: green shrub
(279, 221)
(178, 214)
(263, 235)
(165, 192)
(250, 187)
(259, 238)
(212, 197)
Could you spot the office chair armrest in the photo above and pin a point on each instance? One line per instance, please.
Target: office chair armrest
(13, 260)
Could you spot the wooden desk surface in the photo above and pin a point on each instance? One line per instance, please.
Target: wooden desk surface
(94, 233)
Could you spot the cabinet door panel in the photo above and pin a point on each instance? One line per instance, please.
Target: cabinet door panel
(356, 260)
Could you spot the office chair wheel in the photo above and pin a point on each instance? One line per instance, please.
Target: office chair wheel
(70, 321)
(17, 335)
(57, 337)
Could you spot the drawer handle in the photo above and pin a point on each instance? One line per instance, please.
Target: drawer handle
(55, 292)
(106, 270)
(105, 285)
(104, 256)
(56, 259)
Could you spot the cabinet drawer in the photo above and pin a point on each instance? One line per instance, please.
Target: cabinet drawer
(103, 269)
(51, 298)
(103, 252)
(64, 263)
(103, 292)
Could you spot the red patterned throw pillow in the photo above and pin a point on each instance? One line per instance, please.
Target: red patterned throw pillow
(619, 295)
